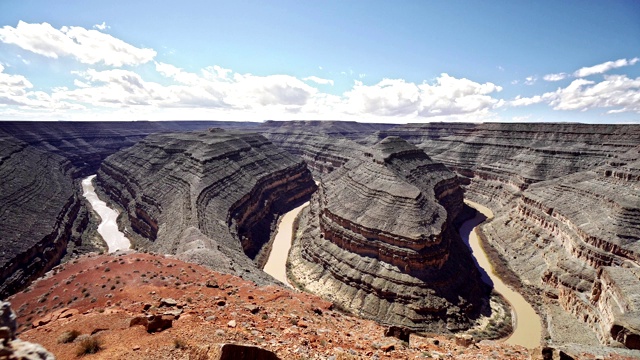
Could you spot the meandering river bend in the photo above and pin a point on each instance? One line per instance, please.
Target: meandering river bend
(108, 227)
(527, 324)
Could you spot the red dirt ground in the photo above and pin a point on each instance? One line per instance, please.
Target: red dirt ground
(100, 294)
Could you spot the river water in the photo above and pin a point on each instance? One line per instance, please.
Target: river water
(527, 325)
(276, 265)
(108, 227)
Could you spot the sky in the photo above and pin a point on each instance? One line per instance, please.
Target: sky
(369, 61)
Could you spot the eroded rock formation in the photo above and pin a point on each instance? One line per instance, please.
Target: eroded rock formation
(379, 239)
(567, 203)
(210, 196)
(40, 212)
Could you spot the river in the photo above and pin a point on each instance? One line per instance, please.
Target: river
(527, 324)
(276, 265)
(108, 227)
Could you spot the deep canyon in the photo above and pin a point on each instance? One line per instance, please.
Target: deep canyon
(379, 238)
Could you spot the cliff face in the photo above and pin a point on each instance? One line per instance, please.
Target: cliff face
(40, 212)
(567, 203)
(86, 143)
(323, 145)
(41, 204)
(211, 197)
(379, 239)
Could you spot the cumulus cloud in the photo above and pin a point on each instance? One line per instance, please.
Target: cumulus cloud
(16, 90)
(447, 96)
(604, 67)
(616, 93)
(555, 77)
(318, 80)
(530, 80)
(86, 46)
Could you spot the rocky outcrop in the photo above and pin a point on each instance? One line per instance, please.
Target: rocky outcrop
(323, 145)
(379, 240)
(211, 197)
(13, 348)
(566, 198)
(40, 212)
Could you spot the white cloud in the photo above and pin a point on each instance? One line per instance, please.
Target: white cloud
(102, 26)
(617, 93)
(530, 80)
(526, 101)
(318, 80)
(86, 46)
(16, 90)
(555, 77)
(448, 96)
(604, 67)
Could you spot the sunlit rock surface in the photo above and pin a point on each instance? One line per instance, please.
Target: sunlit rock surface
(210, 197)
(379, 239)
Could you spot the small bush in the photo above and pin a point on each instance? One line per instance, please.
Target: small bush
(90, 345)
(68, 336)
(179, 344)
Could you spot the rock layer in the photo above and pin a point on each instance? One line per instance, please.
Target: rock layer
(40, 212)
(567, 203)
(210, 196)
(379, 239)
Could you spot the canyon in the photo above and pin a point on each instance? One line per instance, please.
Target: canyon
(566, 200)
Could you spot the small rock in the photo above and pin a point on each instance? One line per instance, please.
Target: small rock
(212, 283)
(175, 313)
(146, 307)
(254, 309)
(231, 324)
(465, 340)
(302, 324)
(387, 347)
(219, 332)
(317, 310)
(159, 322)
(139, 320)
(169, 302)
(136, 348)
(398, 332)
(211, 318)
(221, 303)
(237, 351)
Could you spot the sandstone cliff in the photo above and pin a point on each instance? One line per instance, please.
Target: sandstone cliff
(567, 203)
(40, 212)
(211, 197)
(379, 239)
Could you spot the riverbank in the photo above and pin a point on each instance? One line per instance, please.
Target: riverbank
(527, 324)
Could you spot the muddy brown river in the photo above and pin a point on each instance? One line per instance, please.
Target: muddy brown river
(527, 324)
(277, 262)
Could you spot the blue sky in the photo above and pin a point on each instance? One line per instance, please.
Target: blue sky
(401, 61)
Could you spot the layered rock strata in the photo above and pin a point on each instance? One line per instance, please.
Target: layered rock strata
(567, 203)
(86, 143)
(40, 212)
(379, 239)
(211, 197)
(323, 145)
(41, 207)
